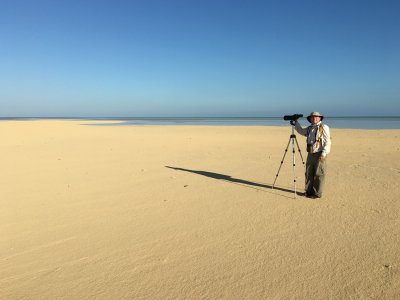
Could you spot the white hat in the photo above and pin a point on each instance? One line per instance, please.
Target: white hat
(314, 114)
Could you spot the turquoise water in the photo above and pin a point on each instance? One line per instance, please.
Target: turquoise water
(334, 122)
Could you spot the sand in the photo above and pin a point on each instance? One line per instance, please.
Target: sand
(187, 212)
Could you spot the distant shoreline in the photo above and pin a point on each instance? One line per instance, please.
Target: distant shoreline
(182, 117)
(349, 122)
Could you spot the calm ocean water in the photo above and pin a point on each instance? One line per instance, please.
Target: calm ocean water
(333, 122)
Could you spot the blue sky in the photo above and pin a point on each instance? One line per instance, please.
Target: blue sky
(199, 57)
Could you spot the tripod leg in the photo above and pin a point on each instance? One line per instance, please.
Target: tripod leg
(298, 148)
(294, 164)
(283, 158)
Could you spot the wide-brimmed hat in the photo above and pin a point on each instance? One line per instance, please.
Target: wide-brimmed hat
(314, 114)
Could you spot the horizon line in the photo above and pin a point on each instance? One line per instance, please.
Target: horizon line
(186, 117)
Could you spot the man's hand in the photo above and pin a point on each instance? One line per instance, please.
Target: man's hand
(321, 158)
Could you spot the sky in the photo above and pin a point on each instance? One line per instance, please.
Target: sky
(155, 58)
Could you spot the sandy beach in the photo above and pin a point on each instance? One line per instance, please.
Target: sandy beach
(187, 212)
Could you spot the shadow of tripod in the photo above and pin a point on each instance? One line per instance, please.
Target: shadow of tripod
(292, 140)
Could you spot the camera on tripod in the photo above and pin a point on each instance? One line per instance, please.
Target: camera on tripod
(292, 117)
(293, 141)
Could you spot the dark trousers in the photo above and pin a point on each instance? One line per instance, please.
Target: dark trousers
(315, 174)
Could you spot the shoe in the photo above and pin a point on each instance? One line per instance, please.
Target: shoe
(312, 196)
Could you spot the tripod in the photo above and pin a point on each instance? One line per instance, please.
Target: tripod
(292, 139)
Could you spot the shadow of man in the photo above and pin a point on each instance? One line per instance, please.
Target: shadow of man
(230, 179)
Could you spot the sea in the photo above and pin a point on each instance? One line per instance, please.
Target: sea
(369, 122)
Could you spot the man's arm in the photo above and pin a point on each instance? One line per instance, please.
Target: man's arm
(326, 142)
(299, 129)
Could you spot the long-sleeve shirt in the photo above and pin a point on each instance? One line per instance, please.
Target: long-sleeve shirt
(313, 133)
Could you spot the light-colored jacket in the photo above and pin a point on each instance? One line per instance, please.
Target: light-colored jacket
(313, 134)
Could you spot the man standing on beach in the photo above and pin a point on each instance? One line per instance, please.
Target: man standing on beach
(318, 147)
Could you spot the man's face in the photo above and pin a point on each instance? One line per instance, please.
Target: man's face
(315, 120)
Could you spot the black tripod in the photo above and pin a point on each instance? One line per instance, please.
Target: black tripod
(292, 139)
